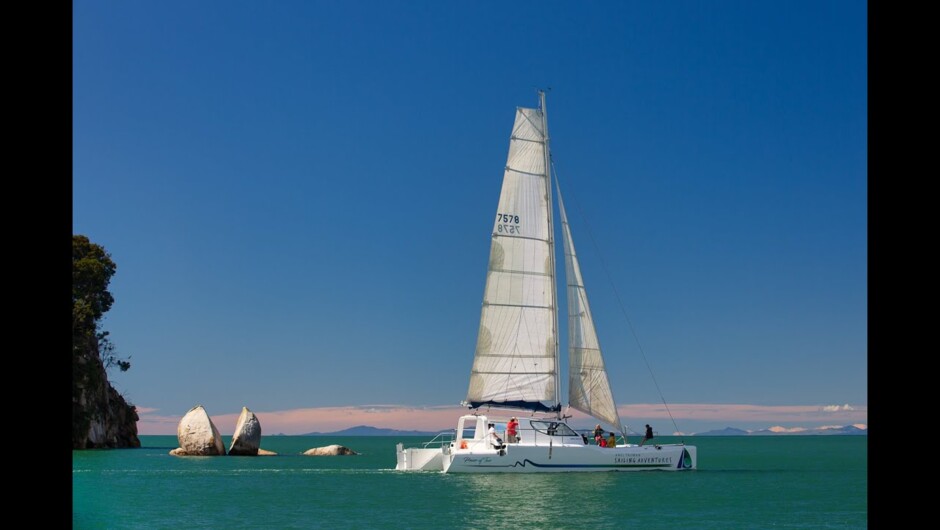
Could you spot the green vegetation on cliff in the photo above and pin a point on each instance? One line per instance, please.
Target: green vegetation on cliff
(101, 417)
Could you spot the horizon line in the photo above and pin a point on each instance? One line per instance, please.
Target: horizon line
(431, 418)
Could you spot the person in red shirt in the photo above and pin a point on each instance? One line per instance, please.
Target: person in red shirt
(512, 430)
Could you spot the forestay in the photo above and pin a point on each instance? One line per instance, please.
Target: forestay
(588, 386)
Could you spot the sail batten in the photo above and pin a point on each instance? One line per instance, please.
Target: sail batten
(524, 237)
(492, 304)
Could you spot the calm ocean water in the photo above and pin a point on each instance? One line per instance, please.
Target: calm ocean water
(742, 482)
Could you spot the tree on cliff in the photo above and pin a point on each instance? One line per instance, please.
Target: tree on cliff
(101, 417)
(92, 268)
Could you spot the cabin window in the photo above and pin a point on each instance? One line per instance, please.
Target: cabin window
(552, 428)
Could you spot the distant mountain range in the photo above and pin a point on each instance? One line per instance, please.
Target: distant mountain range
(365, 430)
(729, 431)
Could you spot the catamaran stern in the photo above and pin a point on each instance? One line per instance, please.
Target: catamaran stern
(419, 459)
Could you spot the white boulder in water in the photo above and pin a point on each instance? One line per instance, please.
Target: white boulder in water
(197, 435)
(247, 438)
(330, 450)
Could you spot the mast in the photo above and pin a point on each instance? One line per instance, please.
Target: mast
(551, 246)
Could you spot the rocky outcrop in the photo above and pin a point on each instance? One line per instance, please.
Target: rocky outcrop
(197, 435)
(247, 438)
(330, 450)
(101, 417)
(261, 452)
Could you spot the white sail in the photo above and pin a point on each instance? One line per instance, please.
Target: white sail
(514, 364)
(588, 386)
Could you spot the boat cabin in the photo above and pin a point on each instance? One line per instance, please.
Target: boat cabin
(472, 430)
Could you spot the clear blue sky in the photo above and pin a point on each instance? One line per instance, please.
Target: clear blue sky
(299, 195)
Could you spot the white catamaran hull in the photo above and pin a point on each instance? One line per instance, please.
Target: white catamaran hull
(544, 446)
(541, 459)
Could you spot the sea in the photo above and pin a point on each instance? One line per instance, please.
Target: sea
(741, 482)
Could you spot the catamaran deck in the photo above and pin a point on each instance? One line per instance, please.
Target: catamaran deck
(543, 446)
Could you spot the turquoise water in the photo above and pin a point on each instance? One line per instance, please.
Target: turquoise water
(741, 482)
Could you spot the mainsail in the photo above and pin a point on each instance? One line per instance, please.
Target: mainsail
(588, 386)
(515, 362)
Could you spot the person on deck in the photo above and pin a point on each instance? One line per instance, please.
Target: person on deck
(612, 441)
(649, 434)
(494, 438)
(598, 434)
(512, 430)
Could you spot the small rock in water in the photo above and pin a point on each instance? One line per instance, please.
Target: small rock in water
(330, 450)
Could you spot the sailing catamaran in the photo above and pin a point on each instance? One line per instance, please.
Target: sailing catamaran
(516, 364)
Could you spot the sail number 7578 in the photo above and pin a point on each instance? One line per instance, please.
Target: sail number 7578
(507, 223)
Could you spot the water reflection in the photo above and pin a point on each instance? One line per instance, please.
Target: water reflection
(535, 499)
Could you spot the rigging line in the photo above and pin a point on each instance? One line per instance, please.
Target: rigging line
(620, 303)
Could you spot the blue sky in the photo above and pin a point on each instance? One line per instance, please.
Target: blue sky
(299, 195)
